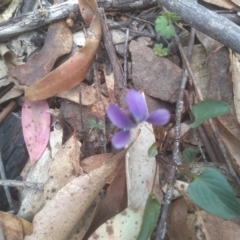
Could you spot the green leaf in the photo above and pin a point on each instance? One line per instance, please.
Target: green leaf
(211, 192)
(189, 155)
(92, 122)
(163, 28)
(150, 217)
(159, 50)
(172, 16)
(153, 149)
(208, 109)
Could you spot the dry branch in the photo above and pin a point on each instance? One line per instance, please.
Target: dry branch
(206, 21)
(40, 18)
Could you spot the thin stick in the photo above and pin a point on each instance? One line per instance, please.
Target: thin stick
(161, 231)
(8, 109)
(125, 69)
(107, 38)
(21, 184)
(6, 188)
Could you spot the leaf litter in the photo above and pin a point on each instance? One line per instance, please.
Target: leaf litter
(60, 169)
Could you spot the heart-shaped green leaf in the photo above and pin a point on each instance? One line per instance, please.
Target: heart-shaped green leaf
(208, 109)
(150, 217)
(211, 191)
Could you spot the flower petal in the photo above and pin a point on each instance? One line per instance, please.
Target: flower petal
(159, 117)
(120, 139)
(137, 105)
(118, 117)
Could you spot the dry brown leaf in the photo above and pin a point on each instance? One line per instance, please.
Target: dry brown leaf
(75, 69)
(96, 161)
(57, 43)
(222, 3)
(11, 226)
(32, 200)
(114, 202)
(236, 2)
(219, 84)
(88, 94)
(235, 69)
(216, 228)
(180, 219)
(58, 218)
(64, 167)
(231, 142)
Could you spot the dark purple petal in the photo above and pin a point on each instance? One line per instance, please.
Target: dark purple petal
(120, 139)
(137, 105)
(118, 117)
(159, 117)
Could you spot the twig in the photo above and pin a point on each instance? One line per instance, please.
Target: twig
(107, 38)
(36, 19)
(6, 189)
(125, 69)
(8, 109)
(161, 231)
(21, 184)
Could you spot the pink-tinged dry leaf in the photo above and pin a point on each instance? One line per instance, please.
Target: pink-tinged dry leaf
(75, 69)
(36, 127)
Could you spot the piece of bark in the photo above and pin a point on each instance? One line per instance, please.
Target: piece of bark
(38, 19)
(206, 21)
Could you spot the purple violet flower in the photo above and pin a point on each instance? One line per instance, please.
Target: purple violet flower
(138, 113)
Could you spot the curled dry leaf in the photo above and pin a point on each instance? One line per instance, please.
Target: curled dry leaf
(36, 127)
(58, 42)
(74, 70)
(13, 227)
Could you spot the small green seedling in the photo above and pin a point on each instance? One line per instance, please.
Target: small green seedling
(159, 50)
(164, 24)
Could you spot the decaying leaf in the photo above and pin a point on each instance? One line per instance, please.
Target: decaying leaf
(55, 221)
(125, 225)
(13, 227)
(219, 85)
(235, 69)
(64, 167)
(36, 127)
(215, 228)
(75, 69)
(140, 170)
(57, 43)
(88, 94)
(32, 200)
(114, 202)
(231, 140)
